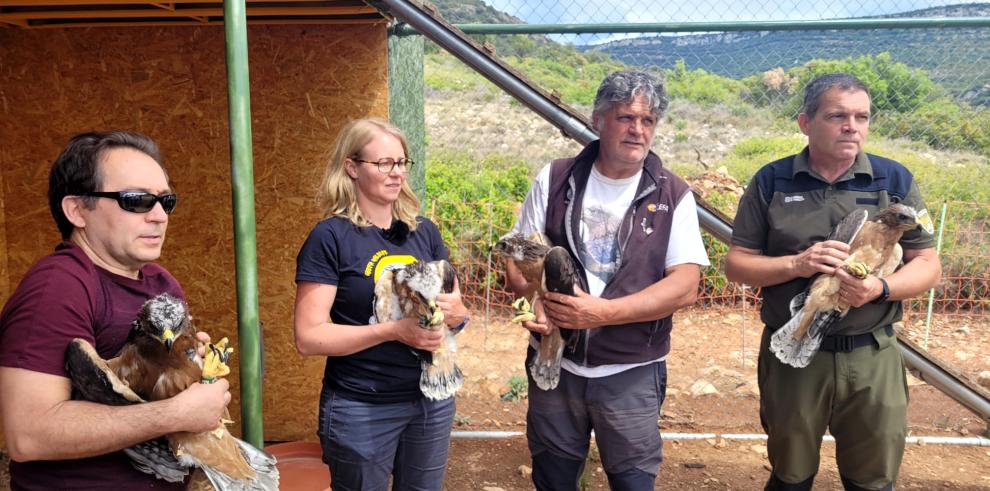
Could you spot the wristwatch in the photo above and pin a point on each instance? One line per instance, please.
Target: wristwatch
(885, 294)
(456, 329)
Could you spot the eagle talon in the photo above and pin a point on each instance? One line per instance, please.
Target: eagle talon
(857, 269)
(434, 318)
(524, 311)
(215, 361)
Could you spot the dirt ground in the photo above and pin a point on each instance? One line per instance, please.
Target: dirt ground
(711, 389)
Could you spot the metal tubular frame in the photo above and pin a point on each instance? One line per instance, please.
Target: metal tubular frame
(788, 25)
(575, 126)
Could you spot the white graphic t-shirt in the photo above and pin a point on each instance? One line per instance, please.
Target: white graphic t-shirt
(604, 205)
(606, 202)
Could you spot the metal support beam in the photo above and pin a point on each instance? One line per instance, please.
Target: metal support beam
(742, 26)
(245, 243)
(549, 107)
(406, 99)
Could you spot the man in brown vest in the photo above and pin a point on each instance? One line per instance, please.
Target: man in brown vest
(632, 229)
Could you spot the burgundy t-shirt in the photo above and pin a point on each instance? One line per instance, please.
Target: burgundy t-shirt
(65, 296)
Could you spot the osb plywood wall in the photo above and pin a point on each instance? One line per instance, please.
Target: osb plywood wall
(170, 83)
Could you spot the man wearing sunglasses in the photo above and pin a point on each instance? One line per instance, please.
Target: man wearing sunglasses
(110, 198)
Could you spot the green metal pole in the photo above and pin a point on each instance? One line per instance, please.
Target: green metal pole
(931, 293)
(727, 26)
(245, 245)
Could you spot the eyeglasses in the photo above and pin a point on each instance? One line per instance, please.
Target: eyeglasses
(388, 164)
(136, 201)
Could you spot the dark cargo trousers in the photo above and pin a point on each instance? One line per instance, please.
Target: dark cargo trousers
(859, 396)
(622, 409)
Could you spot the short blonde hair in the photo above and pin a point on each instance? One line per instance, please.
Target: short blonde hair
(337, 195)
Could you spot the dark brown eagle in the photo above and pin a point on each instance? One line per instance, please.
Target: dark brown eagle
(159, 360)
(412, 292)
(873, 249)
(544, 268)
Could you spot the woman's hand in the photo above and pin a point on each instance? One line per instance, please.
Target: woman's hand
(452, 306)
(408, 332)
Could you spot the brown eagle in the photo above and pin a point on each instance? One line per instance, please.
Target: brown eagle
(158, 361)
(412, 292)
(545, 268)
(873, 249)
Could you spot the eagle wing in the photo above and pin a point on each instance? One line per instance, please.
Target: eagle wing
(873, 248)
(847, 228)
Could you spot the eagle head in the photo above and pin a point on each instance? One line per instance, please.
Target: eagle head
(898, 216)
(520, 248)
(164, 318)
(420, 283)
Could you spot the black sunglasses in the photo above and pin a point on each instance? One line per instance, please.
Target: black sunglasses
(137, 201)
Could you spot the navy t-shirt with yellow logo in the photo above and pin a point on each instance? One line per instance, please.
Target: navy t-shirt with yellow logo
(338, 252)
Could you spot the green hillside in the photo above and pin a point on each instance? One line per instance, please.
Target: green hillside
(957, 59)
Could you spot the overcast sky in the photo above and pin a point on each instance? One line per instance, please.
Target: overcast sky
(584, 11)
(588, 11)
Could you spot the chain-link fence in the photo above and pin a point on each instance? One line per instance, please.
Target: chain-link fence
(734, 97)
(964, 290)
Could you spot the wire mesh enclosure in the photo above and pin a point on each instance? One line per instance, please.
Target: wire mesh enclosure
(734, 72)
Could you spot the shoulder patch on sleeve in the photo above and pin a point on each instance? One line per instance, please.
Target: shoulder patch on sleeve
(925, 220)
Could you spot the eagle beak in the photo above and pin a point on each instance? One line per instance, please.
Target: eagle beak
(168, 337)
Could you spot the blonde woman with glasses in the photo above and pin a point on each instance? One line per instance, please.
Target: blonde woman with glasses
(374, 422)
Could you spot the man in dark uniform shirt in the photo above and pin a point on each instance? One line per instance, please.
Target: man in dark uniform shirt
(855, 386)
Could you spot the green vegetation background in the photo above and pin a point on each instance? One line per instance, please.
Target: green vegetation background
(916, 122)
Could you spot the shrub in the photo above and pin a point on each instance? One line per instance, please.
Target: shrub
(702, 87)
(941, 123)
(475, 201)
(518, 385)
(893, 86)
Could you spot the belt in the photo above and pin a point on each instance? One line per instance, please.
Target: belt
(845, 344)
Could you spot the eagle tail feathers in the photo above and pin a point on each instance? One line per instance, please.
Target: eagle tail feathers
(440, 379)
(251, 469)
(545, 367)
(798, 352)
(438, 383)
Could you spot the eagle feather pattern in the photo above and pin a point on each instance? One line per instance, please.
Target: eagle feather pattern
(147, 370)
(412, 292)
(532, 257)
(873, 244)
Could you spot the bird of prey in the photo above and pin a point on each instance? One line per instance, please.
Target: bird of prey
(412, 292)
(158, 361)
(544, 268)
(873, 249)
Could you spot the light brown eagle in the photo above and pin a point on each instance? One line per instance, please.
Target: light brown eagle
(873, 249)
(544, 268)
(412, 292)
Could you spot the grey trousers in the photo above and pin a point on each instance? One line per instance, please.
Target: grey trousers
(622, 409)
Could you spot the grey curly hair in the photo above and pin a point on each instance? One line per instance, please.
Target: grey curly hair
(622, 87)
